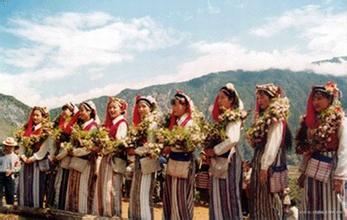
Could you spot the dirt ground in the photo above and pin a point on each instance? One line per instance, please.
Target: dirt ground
(9, 217)
(199, 212)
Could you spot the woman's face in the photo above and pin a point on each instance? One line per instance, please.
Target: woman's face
(263, 100)
(37, 117)
(84, 113)
(320, 102)
(223, 101)
(66, 112)
(144, 109)
(178, 108)
(114, 110)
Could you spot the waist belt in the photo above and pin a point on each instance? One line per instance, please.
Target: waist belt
(321, 157)
(180, 156)
(225, 155)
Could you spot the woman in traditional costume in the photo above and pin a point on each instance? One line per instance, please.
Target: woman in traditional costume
(64, 124)
(270, 137)
(145, 119)
(178, 196)
(82, 177)
(322, 140)
(33, 151)
(108, 200)
(226, 166)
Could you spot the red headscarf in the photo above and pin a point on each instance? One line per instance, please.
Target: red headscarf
(61, 123)
(179, 95)
(72, 122)
(29, 125)
(123, 105)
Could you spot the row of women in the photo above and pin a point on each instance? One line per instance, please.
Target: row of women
(90, 181)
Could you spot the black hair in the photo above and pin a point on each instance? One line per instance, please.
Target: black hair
(180, 98)
(324, 93)
(288, 138)
(89, 108)
(66, 106)
(292, 202)
(151, 106)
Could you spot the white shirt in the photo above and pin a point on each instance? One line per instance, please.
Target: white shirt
(122, 127)
(85, 124)
(233, 135)
(293, 213)
(273, 143)
(9, 162)
(38, 126)
(183, 118)
(341, 167)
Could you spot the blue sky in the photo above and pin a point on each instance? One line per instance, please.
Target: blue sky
(59, 51)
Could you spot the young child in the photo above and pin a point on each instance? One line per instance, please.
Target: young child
(202, 180)
(9, 164)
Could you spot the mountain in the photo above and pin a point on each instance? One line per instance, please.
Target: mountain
(341, 59)
(204, 89)
(13, 114)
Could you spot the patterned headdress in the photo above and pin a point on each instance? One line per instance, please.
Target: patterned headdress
(271, 89)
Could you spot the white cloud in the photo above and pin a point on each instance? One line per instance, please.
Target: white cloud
(110, 90)
(19, 88)
(96, 73)
(25, 57)
(330, 36)
(222, 56)
(298, 18)
(72, 40)
(324, 31)
(57, 46)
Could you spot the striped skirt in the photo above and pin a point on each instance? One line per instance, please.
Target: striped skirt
(60, 186)
(32, 185)
(50, 188)
(263, 204)
(225, 197)
(81, 188)
(178, 197)
(319, 200)
(108, 193)
(141, 194)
